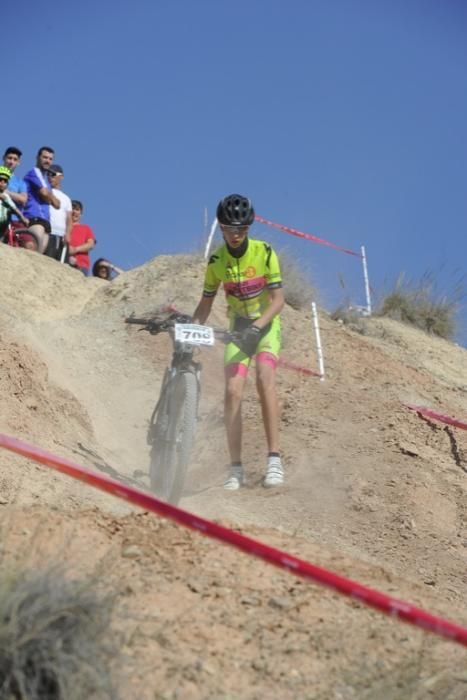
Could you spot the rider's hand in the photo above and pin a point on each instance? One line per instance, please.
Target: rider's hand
(249, 340)
(181, 318)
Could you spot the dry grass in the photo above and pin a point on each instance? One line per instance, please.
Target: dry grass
(298, 290)
(54, 637)
(419, 304)
(351, 316)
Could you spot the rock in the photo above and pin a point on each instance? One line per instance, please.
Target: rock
(132, 551)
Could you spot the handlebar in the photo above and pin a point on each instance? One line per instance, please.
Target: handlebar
(161, 325)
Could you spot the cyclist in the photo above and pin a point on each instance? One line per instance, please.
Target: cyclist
(16, 187)
(7, 206)
(249, 271)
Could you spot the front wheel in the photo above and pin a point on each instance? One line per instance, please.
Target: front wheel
(174, 434)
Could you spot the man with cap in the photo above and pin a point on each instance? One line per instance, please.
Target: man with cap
(60, 219)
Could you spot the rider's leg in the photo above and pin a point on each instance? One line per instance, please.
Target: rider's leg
(266, 363)
(235, 378)
(266, 386)
(41, 235)
(234, 386)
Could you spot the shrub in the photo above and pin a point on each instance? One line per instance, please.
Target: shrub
(351, 316)
(298, 290)
(420, 305)
(54, 637)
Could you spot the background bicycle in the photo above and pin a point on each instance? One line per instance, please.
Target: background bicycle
(20, 237)
(172, 426)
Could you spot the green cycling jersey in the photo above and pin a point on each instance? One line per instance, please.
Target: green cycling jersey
(246, 280)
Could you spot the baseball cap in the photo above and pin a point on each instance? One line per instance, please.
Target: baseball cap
(56, 169)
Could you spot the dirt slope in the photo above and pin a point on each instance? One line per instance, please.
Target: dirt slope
(372, 491)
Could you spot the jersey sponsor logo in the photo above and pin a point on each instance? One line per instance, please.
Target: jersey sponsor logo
(250, 271)
(245, 290)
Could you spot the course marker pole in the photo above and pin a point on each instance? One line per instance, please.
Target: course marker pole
(319, 349)
(299, 567)
(366, 280)
(210, 237)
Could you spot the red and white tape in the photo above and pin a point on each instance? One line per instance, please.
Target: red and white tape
(306, 236)
(429, 413)
(380, 601)
(297, 368)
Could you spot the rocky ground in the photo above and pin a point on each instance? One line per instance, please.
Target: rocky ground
(373, 492)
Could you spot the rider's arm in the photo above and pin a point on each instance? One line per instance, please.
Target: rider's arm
(19, 198)
(8, 202)
(203, 309)
(274, 308)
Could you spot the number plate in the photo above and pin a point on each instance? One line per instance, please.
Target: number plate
(194, 334)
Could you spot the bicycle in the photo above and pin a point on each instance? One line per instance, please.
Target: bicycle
(17, 233)
(20, 237)
(172, 425)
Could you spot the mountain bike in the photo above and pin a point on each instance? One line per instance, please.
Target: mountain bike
(17, 233)
(172, 426)
(20, 237)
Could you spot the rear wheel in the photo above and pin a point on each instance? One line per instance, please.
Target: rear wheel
(26, 239)
(174, 434)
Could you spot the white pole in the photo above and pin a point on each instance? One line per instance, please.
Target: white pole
(367, 284)
(63, 255)
(319, 348)
(211, 236)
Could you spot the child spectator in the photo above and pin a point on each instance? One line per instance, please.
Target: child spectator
(80, 240)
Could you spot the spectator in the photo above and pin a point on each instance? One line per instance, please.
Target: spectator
(105, 270)
(40, 196)
(17, 189)
(80, 241)
(60, 219)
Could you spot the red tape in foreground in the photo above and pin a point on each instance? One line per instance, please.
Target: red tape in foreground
(429, 413)
(306, 236)
(299, 567)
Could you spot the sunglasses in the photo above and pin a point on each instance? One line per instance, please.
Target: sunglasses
(4, 179)
(241, 230)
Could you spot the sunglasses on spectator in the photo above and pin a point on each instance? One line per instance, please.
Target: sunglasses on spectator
(241, 230)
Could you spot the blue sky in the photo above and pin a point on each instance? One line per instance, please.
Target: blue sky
(343, 118)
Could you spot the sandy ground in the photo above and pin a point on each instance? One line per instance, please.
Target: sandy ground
(373, 492)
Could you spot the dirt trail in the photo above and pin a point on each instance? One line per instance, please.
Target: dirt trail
(372, 491)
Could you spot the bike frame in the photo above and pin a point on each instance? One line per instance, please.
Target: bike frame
(182, 361)
(173, 422)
